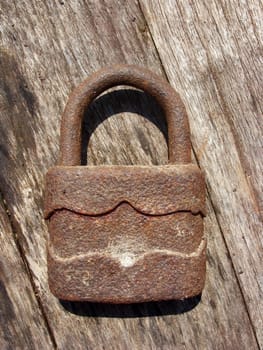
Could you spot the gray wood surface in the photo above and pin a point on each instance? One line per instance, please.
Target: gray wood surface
(211, 53)
(212, 56)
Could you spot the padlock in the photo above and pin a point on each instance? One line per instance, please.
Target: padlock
(125, 234)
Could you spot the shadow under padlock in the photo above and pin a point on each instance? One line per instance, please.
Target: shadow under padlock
(135, 233)
(134, 310)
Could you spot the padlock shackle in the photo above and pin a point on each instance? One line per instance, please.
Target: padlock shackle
(179, 146)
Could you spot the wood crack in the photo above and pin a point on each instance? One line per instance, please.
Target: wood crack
(154, 44)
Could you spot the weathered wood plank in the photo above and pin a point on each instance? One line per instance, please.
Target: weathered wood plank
(21, 321)
(47, 48)
(211, 53)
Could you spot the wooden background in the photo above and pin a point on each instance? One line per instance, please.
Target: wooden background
(211, 52)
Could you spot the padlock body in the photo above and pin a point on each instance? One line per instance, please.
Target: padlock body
(125, 234)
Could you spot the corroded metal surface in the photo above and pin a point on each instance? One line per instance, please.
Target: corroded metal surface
(153, 190)
(125, 234)
(125, 256)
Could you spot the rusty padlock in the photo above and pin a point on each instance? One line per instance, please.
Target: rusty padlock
(125, 234)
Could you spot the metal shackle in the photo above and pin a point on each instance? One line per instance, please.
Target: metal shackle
(179, 145)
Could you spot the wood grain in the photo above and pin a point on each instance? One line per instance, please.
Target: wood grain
(22, 323)
(212, 53)
(46, 49)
